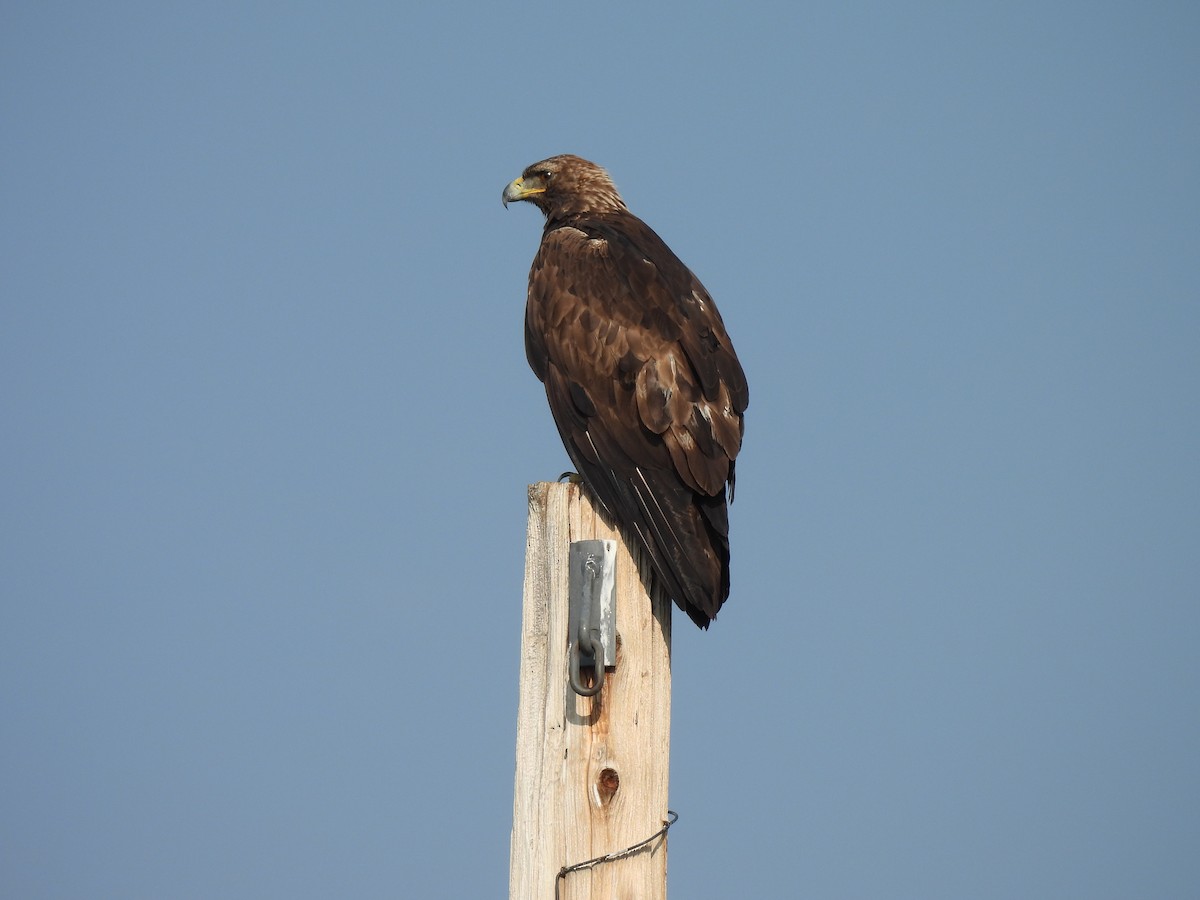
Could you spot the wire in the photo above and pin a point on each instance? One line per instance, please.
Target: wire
(672, 818)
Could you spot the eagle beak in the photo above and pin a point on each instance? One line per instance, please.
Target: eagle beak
(522, 190)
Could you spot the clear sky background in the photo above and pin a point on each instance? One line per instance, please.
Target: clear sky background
(267, 427)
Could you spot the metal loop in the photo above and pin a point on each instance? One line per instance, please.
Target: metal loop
(586, 626)
(574, 652)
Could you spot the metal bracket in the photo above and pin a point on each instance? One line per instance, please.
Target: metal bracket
(592, 619)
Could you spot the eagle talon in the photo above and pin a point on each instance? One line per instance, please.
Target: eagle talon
(571, 478)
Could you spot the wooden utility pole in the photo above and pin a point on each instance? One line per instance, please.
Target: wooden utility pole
(591, 771)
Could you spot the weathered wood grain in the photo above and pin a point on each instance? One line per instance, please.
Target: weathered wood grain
(592, 773)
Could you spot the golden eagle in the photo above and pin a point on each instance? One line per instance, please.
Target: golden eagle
(642, 379)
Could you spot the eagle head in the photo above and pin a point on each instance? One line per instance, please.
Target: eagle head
(565, 185)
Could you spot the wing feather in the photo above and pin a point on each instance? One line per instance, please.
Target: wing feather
(645, 390)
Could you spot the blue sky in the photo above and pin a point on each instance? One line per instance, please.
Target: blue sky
(268, 426)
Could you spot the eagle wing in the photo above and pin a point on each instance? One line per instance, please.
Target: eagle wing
(646, 392)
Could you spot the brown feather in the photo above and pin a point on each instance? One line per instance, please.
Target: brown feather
(642, 380)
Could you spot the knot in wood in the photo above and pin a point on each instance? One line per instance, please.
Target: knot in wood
(607, 785)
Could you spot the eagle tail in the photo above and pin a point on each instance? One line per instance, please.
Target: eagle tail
(686, 534)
